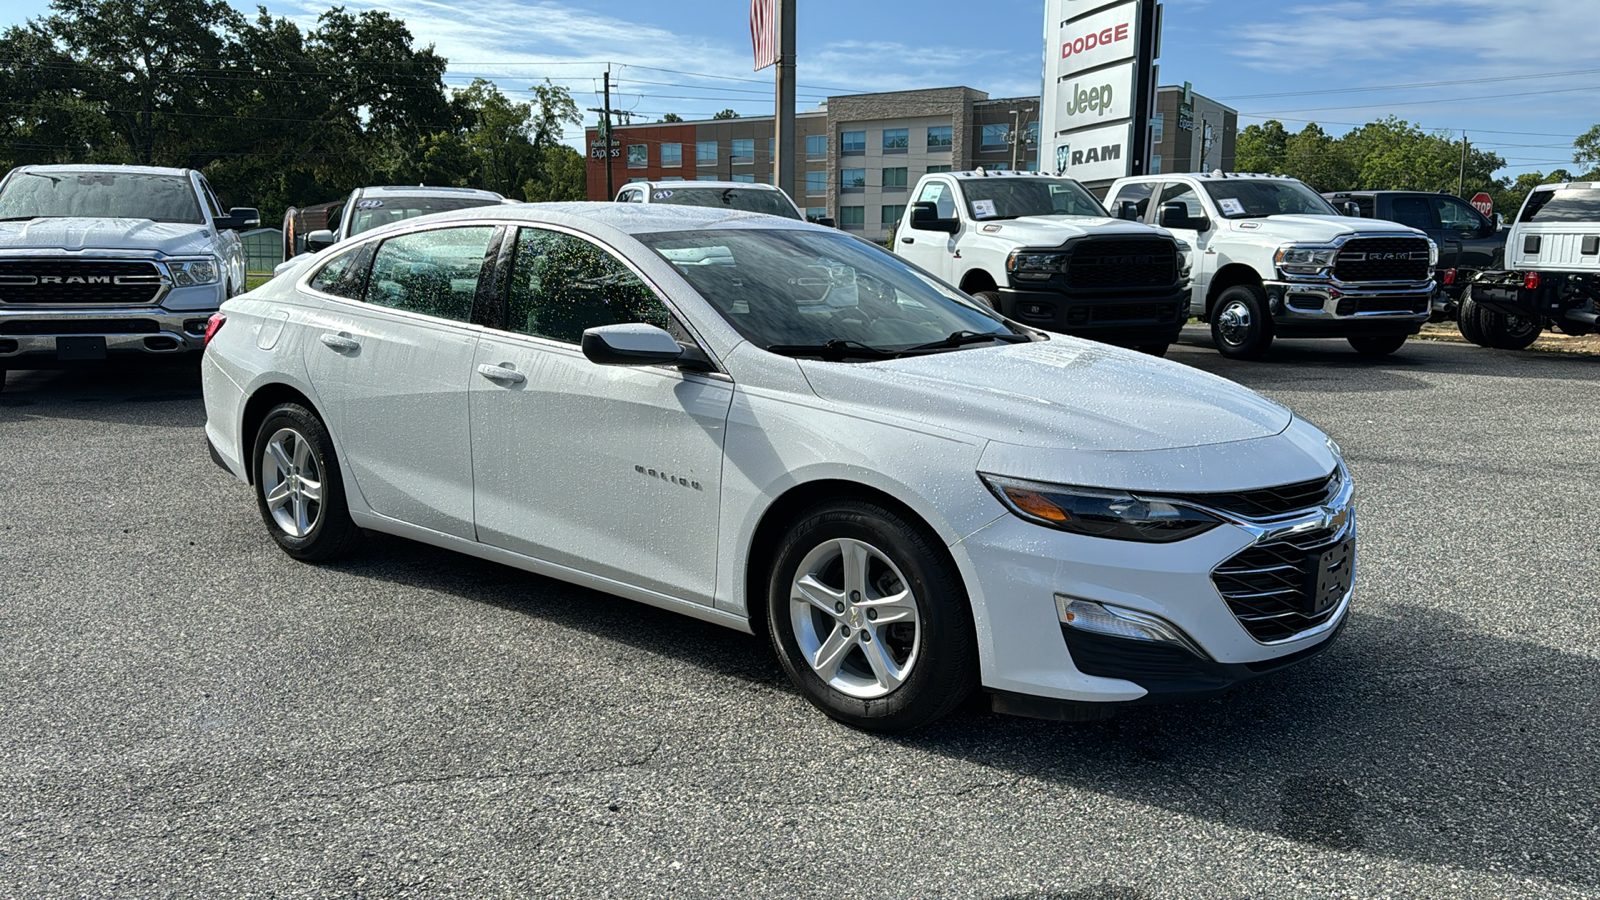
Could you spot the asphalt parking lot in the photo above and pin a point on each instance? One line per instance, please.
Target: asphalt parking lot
(185, 711)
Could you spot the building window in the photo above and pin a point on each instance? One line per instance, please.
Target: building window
(673, 178)
(813, 213)
(744, 151)
(816, 182)
(896, 140)
(772, 147)
(894, 179)
(852, 216)
(933, 169)
(816, 146)
(941, 137)
(671, 155)
(853, 142)
(638, 156)
(705, 153)
(852, 179)
(745, 179)
(892, 213)
(995, 137)
(1156, 124)
(1030, 133)
(1031, 165)
(1155, 165)
(641, 178)
(705, 178)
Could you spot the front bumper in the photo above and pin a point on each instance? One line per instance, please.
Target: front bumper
(1127, 317)
(1320, 309)
(39, 337)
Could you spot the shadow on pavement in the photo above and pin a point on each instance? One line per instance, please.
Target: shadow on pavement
(111, 392)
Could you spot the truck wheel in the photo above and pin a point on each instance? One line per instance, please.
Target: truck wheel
(1381, 345)
(1505, 332)
(1153, 349)
(2, 379)
(1468, 319)
(1240, 324)
(990, 299)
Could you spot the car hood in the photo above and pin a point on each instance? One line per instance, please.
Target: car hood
(1050, 231)
(1060, 394)
(139, 235)
(1315, 228)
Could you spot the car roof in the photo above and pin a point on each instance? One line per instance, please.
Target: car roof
(98, 167)
(627, 218)
(423, 190)
(692, 185)
(1209, 176)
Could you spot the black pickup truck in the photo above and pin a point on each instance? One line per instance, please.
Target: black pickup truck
(1469, 242)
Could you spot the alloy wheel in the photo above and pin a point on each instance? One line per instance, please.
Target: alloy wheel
(291, 482)
(855, 618)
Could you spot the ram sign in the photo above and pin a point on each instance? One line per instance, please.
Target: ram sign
(1091, 97)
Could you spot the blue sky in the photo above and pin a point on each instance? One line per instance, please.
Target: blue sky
(1521, 77)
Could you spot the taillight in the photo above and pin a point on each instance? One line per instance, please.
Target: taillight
(1531, 281)
(1449, 276)
(214, 325)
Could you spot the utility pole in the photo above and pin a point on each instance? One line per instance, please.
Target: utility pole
(605, 134)
(783, 138)
(1016, 135)
(1461, 179)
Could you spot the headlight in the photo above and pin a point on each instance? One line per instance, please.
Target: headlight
(1185, 258)
(1035, 264)
(1099, 513)
(1433, 253)
(193, 272)
(1305, 260)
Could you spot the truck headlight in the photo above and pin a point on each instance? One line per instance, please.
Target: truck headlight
(1035, 263)
(1185, 258)
(1305, 260)
(1095, 512)
(187, 273)
(1433, 253)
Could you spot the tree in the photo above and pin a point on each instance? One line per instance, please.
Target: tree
(670, 117)
(1319, 160)
(1261, 148)
(726, 114)
(1587, 152)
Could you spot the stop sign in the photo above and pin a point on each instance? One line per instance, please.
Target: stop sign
(1483, 203)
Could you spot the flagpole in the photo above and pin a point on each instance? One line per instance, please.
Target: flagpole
(784, 135)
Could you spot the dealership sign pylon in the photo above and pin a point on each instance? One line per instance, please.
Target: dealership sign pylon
(1099, 87)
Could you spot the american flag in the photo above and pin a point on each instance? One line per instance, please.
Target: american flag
(763, 33)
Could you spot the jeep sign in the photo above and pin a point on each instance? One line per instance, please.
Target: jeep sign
(1091, 87)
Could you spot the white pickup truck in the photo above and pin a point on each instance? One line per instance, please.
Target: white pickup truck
(1044, 252)
(97, 260)
(370, 207)
(1552, 275)
(1274, 259)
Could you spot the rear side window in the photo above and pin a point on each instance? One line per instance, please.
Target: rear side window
(434, 273)
(1416, 212)
(1563, 205)
(341, 275)
(561, 285)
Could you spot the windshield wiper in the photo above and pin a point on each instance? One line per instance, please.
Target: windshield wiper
(834, 349)
(960, 338)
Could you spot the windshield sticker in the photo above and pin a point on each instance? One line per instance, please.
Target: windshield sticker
(1230, 206)
(368, 204)
(983, 209)
(660, 195)
(1052, 353)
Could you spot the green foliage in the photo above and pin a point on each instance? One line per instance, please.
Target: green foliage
(1390, 154)
(670, 117)
(726, 114)
(1587, 152)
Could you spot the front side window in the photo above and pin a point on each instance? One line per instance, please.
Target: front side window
(100, 195)
(894, 178)
(896, 140)
(671, 155)
(1245, 198)
(995, 137)
(852, 179)
(1138, 193)
(434, 273)
(1179, 192)
(852, 142)
(1457, 216)
(941, 196)
(705, 153)
(941, 137)
(1009, 198)
(816, 146)
(638, 156)
(562, 284)
(744, 150)
(816, 182)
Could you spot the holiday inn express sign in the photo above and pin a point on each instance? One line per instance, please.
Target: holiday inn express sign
(1098, 80)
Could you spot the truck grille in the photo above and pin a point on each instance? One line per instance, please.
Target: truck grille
(1265, 503)
(79, 281)
(1122, 263)
(1350, 306)
(1106, 313)
(1268, 586)
(1383, 260)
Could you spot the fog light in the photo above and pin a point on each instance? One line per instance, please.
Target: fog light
(1119, 622)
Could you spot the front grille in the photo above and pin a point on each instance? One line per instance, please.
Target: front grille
(1349, 306)
(1265, 503)
(79, 281)
(1122, 263)
(1268, 586)
(1383, 259)
(1100, 314)
(79, 326)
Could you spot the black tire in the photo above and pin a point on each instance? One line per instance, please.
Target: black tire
(324, 522)
(1153, 349)
(1377, 345)
(1240, 325)
(990, 299)
(1505, 332)
(2, 380)
(938, 658)
(1468, 319)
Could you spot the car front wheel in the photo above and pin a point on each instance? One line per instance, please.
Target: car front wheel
(869, 617)
(298, 486)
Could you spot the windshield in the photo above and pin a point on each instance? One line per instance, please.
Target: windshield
(1243, 198)
(375, 212)
(796, 291)
(1008, 198)
(773, 203)
(1563, 205)
(101, 195)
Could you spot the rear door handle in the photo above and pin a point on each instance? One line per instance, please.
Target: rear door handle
(340, 342)
(501, 373)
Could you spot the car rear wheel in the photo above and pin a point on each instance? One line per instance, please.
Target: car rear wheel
(1239, 323)
(1379, 345)
(298, 486)
(1505, 332)
(870, 619)
(1468, 319)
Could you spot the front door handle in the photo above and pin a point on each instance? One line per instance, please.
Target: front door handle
(341, 343)
(908, 240)
(501, 373)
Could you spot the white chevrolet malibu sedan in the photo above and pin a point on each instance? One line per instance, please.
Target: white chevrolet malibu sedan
(786, 430)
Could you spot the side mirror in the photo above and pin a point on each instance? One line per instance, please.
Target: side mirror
(1176, 215)
(240, 218)
(1350, 208)
(634, 344)
(318, 241)
(925, 217)
(1128, 209)
(1499, 222)
(826, 221)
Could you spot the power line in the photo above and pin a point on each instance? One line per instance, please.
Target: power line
(1416, 84)
(1440, 100)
